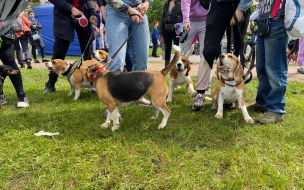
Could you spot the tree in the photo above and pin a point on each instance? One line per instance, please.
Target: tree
(155, 12)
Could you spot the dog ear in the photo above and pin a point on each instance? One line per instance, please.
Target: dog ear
(188, 68)
(238, 73)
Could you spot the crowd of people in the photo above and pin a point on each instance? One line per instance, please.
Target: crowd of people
(124, 19)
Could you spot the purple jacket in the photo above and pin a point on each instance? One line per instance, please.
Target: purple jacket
(193, 11)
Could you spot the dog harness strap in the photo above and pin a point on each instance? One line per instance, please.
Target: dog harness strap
(71, 70)
(92, 76)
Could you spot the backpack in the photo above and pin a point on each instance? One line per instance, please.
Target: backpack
(176, 13)
(17, 25)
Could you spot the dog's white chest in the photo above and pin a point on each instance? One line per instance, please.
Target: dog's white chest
(182, 79)
(231, 94)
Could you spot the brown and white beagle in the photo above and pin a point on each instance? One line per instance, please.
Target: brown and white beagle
(230, 87)
(77, 76)
(180, 74)
(117, 89)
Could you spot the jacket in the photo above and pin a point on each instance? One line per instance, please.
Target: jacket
(166, 16)
(26, 24)
(63, 26)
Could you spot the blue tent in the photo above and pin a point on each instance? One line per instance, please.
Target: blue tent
(44, 14)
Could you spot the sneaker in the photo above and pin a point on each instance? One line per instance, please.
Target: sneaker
(144, 102)
(271, 117)
(44, 60)
(92, 89)
(300, 70)
(198, 102)
(3, 100)
(28, 62)
(22, 102)
(37, 61)
(257, 108)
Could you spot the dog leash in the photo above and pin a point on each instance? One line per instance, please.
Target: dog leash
(110, 58)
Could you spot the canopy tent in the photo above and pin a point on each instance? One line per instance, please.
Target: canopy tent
(44, 14)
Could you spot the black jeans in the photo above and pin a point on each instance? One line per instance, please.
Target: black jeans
(61, 47)
(155, 46)
(218, 20)
(7, 58)
(168, 38)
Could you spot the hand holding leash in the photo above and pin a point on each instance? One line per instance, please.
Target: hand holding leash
(93, 20)
(143, 8)
(76, 13)
(186, 26)
(239, 15)
(135, 15)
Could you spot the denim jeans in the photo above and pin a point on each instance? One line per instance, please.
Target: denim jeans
(119, 27)
(271, 66)
(23, 41)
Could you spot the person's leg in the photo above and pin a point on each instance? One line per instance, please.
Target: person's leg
(34, 49)
(117, 32)
(155, 44)
(168, 45)
(300, 59)
(18, 51)
(86, 47)
(139, 43)
(7, 58)
(218, 19)
(129, 61)
(43, 54)
(60, 49)
(25, 47)
(185, 47)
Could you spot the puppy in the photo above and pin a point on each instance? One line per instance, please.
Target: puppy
(179, 75)
(230, 87)
(5, 70)
(77, 77)
(117, 89)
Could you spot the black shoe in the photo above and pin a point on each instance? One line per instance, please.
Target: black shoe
(48, 90)
(45, 60)
(29, 66)
(155, 56)
(37, 61)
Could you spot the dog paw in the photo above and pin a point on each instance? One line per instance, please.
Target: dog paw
(153, 118)
(105, 125)
(161, 126)
(249, 120)
(70, 94)
(115, 128)
(219, 116)
(75, 99)
(169, 100)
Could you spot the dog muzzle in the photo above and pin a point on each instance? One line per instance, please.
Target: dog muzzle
(81, 21)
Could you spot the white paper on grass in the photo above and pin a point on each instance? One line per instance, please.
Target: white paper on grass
(43, 133)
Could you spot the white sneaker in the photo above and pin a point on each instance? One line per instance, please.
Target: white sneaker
(92, 89)
(23, 103)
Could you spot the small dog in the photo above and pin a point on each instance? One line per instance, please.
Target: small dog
(117, 89)
(293, 57)
(77, 77)
(179, 75)
(230, 87)
(5, 70)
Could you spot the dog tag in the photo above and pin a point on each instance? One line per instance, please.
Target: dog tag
(233, 91)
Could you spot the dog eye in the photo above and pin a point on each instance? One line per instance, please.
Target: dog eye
(230, 56)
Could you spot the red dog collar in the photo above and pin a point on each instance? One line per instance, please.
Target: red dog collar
(96, 71)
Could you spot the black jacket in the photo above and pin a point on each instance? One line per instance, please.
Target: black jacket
(63, 26)
(175, 17)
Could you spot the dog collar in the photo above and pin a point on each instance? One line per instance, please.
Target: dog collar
(69, 68)
(92, 76)
(231, 79)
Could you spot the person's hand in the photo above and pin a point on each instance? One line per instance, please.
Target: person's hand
(239, 15)
(76, 13)
(1, 26)
(93, 20)
(135, 15)
(143, 8)
(186, 26)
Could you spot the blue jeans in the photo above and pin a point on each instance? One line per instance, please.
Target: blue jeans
(119, 27)
(271, 66)
(24, 45)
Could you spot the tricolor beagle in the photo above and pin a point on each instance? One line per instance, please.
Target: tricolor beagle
(179, 75)
(230, 87)
(117, 89)
(77, 76)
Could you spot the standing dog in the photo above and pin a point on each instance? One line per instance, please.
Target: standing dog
(77, 77)
(179, 75)
(230, 87)
(117, 89)
(5, 70)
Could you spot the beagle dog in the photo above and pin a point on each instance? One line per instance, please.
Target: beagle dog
(77, 75)
(5, 70)
(230, 87)
(117, 89)
(179, 75)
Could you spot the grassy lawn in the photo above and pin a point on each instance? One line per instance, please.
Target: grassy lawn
(194, 151)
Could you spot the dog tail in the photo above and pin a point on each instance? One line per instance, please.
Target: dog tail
(175, 59)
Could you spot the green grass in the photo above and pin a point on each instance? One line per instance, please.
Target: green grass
(194, 151)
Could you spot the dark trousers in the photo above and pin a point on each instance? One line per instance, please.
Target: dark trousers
(218, 20)
(155, 46)
(169, 37)
(7, 58)
(61, 47)
(34, 48)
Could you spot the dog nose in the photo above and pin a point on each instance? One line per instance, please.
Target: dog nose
(179, 64)
(222, 56)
